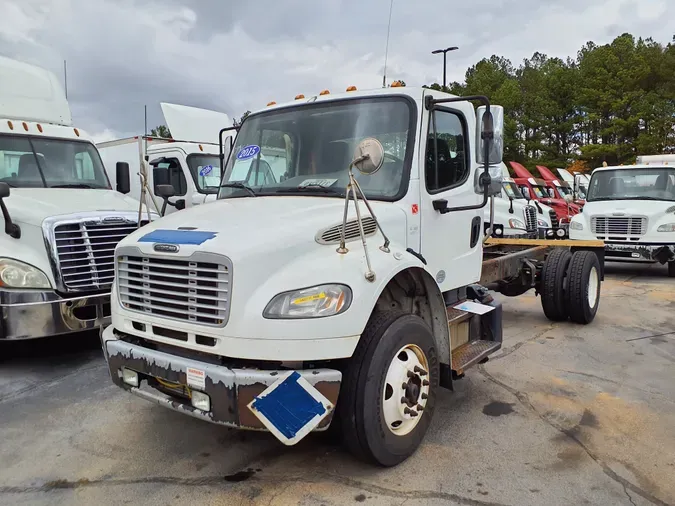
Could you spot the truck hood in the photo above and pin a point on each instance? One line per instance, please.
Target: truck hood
(32, 205)
(245, 227)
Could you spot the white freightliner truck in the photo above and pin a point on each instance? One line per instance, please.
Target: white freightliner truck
(632, 209)
(292, 299)
(190, 161)
(61, 217)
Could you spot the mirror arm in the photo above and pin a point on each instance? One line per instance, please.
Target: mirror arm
(11, 229)
(221, 151)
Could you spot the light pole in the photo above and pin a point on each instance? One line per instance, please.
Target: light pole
(444, 51)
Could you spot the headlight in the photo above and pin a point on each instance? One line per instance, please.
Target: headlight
(666, 227)
(576, 225)
(15, 274)
(314, 302)
(542, 223)
(516, 223)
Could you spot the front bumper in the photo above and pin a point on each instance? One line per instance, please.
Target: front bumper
(661, 253)
(30, 314)
(230, 390)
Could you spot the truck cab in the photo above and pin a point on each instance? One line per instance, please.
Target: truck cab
(545, 193)
(632, 209)
(189, 162)
(561, 188)
(61, 216)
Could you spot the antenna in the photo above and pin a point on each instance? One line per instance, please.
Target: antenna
(386, 50)
(65, 78)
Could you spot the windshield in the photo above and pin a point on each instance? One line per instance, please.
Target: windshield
(512, 190)
(653, 183)
(205, 171)
(564, 190)
(540, 191)
(310, 148)
(29, 162)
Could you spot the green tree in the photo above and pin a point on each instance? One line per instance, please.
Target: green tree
(237, 122)
(161, 131)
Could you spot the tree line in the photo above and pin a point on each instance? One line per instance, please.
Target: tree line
(609, 104)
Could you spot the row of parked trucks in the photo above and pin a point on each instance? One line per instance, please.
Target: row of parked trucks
(340, 277)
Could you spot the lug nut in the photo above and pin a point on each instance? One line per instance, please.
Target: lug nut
(404, 386)
(425, 383)
(411, 374)
(404, 400)
(410, 412)
(420, 371)
(424, 397)
(420, 407)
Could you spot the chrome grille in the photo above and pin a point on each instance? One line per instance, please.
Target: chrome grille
(190, 290)
(555, 223)
(83, 250)
(530, 218)
(332, 235)
(618, 226)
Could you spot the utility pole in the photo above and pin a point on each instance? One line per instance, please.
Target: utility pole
(444, 51)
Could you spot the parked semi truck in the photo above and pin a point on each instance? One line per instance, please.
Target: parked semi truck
(632, 209)
(189, 161)
(344, 291)
(579, 183)
(62, 218)
(561, 189)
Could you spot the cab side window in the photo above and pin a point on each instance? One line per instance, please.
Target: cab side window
(175, 176)
(446, 161)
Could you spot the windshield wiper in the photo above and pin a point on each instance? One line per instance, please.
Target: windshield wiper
(311, 188)
(73, 185)
(241, 186)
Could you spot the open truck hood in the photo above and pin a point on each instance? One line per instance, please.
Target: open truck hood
(33, 205)
(194, 124)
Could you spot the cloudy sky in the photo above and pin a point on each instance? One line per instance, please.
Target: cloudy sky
(233, 56)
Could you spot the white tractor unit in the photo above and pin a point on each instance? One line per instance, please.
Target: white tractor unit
(62, 218)
(632, 209)
(342, 285)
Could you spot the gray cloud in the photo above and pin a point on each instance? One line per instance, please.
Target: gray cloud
(233, 56)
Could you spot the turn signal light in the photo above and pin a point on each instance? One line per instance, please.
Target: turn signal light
(298, 97)
(271, 103)
(325, 92)
(351, 88)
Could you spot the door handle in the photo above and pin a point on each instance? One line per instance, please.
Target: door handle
(475, 230)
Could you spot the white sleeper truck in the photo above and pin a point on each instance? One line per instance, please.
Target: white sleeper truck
(61, 218)
(343, 290)
(632, 209)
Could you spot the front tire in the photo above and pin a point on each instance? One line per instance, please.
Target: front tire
(393, 373)
(583, 287)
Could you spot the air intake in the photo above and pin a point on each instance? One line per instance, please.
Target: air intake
(332, 235)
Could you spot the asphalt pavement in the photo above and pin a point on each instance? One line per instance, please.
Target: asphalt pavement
(563, 414)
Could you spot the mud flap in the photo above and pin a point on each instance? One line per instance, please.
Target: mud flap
(290, 408)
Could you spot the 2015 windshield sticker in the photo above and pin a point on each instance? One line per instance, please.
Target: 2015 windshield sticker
(206, 170)
(248, 152)
(318, 182)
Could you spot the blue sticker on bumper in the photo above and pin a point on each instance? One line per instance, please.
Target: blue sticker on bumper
(289, 407)
(195, 237)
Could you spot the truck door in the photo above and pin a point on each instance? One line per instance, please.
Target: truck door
(450, 242)
(170, 171)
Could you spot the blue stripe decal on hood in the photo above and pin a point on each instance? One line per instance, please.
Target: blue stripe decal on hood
(178, 236)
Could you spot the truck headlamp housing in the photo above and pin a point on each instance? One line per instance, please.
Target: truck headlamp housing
(542, 223)
(516, 223)
(576, 225)
(315, 302)
(15, 274)
(666, 227)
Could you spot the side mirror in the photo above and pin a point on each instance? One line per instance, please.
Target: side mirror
(490, 126)
(11, 229)
(165, 191)
(526, 192)
(160, 177)
(496, 177)
(569, 199)
(4, 190)
(123, 181)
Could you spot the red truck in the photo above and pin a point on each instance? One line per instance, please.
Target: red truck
(540, 190)
(560, 186)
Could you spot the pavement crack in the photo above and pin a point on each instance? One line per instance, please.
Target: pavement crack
(210, 481)
(525, 401)
(507, 351)
(628, 495)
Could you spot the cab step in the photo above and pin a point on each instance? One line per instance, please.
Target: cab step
(471, 353)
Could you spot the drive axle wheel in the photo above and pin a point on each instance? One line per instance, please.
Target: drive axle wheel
(671, 269)
(388, 390)
(583, 287)
(552, 287)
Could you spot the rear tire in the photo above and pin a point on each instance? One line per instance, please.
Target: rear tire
(368, 387)
(671, 269)
(583, 287)
(553, 277)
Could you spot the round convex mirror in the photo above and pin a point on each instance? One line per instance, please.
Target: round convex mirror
(368, 156)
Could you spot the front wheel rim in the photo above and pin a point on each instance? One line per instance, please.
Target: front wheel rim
(406, 390)
(593, 284)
